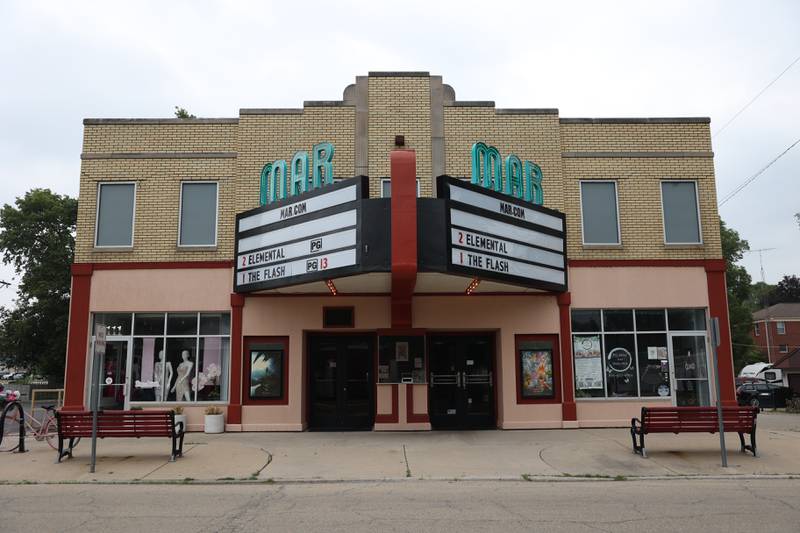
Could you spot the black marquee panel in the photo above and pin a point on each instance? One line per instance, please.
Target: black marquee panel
(311, 237)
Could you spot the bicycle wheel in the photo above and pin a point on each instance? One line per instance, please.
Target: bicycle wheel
(50, 433)
(9, 438)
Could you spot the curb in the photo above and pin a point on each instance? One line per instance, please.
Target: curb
(520, 479)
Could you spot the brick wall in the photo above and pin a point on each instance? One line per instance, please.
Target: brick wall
(159, 154)
(399, 106)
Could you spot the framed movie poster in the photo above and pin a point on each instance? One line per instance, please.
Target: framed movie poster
(266, 374)
(536, 373)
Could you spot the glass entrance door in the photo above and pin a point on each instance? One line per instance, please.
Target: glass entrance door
(689, 370)
(341, 383)
(461, 382)
(113, 375)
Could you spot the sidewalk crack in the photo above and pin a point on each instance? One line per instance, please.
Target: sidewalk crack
(405, 458)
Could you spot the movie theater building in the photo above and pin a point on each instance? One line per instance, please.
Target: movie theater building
(399, 260)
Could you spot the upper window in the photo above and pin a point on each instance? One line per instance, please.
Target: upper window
(386, 188)
(115, 206)
(681, 212)
(599, 212)
(756, 330)
(781, 327)
(198, 222)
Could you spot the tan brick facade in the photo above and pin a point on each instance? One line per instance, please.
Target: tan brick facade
(159, 154)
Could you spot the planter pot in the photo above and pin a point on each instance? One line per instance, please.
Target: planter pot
(215, 424)
(181, 418)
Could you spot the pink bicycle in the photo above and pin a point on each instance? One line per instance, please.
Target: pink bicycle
(45, 429)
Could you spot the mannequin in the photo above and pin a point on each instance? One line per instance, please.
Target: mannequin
(163, 374)
(182, 388)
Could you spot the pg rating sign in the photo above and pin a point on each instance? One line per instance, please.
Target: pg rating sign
(493, 236)
(306, 238)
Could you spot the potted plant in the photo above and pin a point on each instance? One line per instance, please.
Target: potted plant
(215, 420)
(179, 416)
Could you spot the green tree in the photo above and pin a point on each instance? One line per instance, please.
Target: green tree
(37, 237)
(788, 290)
(182, 113)
(739, 293)
(761, 295)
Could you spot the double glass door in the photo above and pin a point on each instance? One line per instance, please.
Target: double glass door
(461, 382)
(689, 373)
(341, 384)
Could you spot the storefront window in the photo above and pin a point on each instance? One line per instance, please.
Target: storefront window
(115, 323)
(175, 357)
(653, 359)
(401, 359)
(625, 353)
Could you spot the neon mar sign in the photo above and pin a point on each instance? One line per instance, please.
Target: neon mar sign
(520, 181)
(274, 175)
(523, 182)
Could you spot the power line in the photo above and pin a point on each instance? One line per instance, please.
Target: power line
(749, 180)
(748, 104)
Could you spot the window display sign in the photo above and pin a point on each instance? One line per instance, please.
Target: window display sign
(588, 362)
(537, 373)
(266, 376)
(493, 236)
(309, 237)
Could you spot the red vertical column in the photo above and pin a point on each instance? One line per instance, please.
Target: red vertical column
(718, 307)
(235, 402)
(568, 409)
(404, 235)
(77, 337)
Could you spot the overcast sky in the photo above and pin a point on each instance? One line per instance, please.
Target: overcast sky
(63, 61)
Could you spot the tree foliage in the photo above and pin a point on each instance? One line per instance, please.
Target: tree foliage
(37, 237)
(182, 113)
(788, 290)
(739, 295)
(761, 295)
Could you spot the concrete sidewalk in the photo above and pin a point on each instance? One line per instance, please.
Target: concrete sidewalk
(534, 454)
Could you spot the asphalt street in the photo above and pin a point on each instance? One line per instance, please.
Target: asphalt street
(619, 506)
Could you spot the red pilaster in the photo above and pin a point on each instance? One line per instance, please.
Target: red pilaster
(718, 307)
(404, 235)
(235, 404)
(568, 409)
(77, 337)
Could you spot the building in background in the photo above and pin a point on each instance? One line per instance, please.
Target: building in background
(399, 259)
(776, 332)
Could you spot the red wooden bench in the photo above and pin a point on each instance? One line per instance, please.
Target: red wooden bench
(694, 419)
(74, 425)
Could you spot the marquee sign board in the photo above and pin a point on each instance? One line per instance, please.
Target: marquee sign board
(496, 237)
(310, 237)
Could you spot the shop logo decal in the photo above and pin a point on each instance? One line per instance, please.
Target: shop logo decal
(487, 159)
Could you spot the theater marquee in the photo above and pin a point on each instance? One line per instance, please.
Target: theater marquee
(497, 237)
(310, 237)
